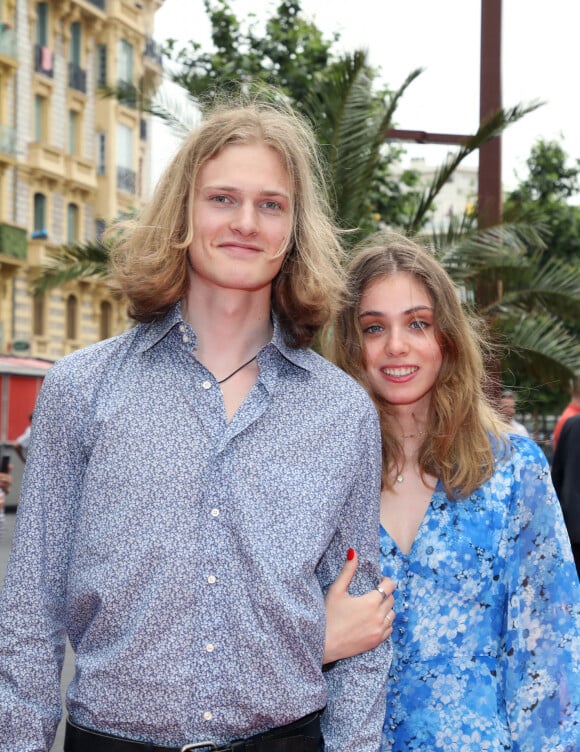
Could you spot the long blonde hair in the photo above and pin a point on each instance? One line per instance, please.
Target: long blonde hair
(462, 426)
(149, 254)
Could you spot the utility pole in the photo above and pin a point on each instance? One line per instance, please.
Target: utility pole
(489, 194)
(489, 173)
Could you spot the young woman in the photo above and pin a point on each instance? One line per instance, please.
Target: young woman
(487, 598)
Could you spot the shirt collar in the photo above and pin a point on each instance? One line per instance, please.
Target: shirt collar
(155, 331)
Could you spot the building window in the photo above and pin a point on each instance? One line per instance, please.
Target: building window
(125, 70)
(101, 65)
(38, 307)
(72, 224)
(73, 132)
(100, 227)
(39, 118)
(75, 42)
(42, 24)
(77, 77)
(126, 178)
(39, 213)
(101, 153)
(71, 317)
(106, 320)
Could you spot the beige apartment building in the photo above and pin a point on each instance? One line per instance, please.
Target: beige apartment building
(70, 160)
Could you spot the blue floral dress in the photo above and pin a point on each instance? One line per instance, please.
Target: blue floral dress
(486, 636)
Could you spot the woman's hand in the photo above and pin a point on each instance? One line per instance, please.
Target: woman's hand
(356, 624)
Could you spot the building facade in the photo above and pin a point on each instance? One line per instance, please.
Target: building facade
(456, 197)
(71, 160)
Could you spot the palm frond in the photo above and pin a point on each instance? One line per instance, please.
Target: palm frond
(541, 345)
(487, 130)
(72, 262)
(481, 251)
(351, 120)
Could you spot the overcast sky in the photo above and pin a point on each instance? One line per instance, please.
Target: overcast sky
(539, 62)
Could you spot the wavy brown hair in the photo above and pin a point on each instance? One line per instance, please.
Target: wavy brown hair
(149, 253)
(462, 425)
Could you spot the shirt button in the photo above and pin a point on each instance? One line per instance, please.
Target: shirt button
(209, 647)
(212, 579)
(215, 512)
(182, 328)
(206, 384)
(208, 715)
(185, 339)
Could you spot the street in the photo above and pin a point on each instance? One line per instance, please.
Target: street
(5, 543)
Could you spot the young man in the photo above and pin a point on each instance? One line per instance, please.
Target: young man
(193, 486)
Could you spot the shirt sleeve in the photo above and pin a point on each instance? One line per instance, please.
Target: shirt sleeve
(539, 653)
(355, 712)
(32, 601)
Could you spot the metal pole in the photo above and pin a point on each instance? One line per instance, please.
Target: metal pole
(490, 198)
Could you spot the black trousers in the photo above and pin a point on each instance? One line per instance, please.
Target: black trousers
(303, 735)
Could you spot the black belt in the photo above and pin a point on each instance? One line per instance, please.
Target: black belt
(303, 735)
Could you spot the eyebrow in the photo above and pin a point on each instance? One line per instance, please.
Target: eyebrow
(415, 309)
(234, 189)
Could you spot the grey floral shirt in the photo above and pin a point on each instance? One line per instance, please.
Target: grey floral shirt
(186, 557)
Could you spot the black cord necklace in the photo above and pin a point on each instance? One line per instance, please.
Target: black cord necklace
(233, 373)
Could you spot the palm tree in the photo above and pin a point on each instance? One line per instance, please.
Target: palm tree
(523, 299)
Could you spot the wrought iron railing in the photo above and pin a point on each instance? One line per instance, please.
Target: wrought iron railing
(126, 179)
(77, 77)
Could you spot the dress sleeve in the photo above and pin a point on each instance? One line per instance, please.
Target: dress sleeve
(356, 707)
(539, 652)
(32, 601)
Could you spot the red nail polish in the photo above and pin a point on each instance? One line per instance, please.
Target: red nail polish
(350, 554)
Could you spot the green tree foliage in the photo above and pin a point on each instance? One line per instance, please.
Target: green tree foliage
(544, 197)
(286, 52)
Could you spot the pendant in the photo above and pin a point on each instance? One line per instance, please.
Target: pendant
(399, 478)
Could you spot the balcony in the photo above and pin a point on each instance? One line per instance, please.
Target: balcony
(47, 159)
(126, 180)
(13, 241)
(81, 172)
(38, 250)
(44, 60)
(77, 78)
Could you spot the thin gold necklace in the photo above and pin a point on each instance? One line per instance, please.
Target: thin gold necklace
(233, 373)
(413, 435)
